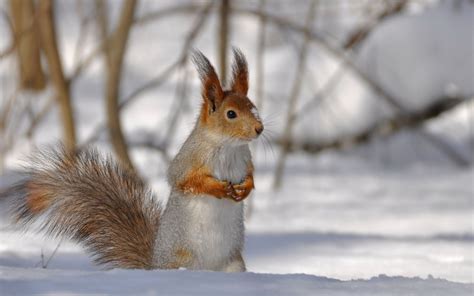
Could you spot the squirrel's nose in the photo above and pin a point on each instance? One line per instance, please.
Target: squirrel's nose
(259, 129)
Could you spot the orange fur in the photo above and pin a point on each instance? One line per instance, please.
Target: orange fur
(37, 200)
(243, 127)
(240, 84)
(212, 94)
(183, 257)
(217, 102)
(240, 75)
(200, 181)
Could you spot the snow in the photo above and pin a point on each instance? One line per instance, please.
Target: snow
(58, 282)
(406, 225)
(376, 220)
(416, 58)
(439, 64)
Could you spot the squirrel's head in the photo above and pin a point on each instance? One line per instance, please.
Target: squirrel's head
(227, 113)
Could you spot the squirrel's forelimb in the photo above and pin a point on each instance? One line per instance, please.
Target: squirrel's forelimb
(243, 189)
(200, 181)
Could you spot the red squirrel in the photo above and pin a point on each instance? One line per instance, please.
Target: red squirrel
(106, 208)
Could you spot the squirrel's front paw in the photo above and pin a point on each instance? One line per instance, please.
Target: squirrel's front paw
(242, 191)
(237, 192)
(229, 191)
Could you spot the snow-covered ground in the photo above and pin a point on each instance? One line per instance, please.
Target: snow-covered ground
(372, 221)
(356, 223)
(120, 282)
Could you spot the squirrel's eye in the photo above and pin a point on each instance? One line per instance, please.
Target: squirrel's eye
(231, 114)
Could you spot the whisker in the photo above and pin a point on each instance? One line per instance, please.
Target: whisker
(270, 133)
(273, 115)
(267, 145)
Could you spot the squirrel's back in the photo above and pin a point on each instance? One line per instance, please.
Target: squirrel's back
(91, 199)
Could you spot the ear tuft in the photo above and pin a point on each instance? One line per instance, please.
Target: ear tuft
(211, 88)
(240, 75)
(203, 66)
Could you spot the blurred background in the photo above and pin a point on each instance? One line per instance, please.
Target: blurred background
(365, 165)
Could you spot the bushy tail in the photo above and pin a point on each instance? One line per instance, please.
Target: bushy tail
(88, 198)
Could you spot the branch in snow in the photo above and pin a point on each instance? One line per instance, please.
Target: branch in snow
(359, 35)
(386, 127)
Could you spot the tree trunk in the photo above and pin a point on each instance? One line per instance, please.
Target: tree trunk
(223, 39)
(50, 48)
(114, 53)
(25, 38)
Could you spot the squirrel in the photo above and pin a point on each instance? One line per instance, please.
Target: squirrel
(106, 208)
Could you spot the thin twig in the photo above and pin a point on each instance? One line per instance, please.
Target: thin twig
(167, 12)
(36, 120)
(164, 75)
(361, 34)
(151, 144)
(182, 59)
(181, 90)
(45, 265)
(83, 26)
(318, 39)
(259, 81)
(138, 21)
(259, 85)
(294, 96)
(10, 48)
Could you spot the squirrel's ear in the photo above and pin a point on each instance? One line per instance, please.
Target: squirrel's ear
(211, 87)
(240, 73)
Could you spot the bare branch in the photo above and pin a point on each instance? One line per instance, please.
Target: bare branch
(387, 127)
(167, 12)
(10, 48)
(114, 55)
(359, 35)
(223, 44)
(259, 81)
(259, 85)
(165, 74)
(149, 143)
(294, 96)
(35, 121)
(143, 20)
(50, 48)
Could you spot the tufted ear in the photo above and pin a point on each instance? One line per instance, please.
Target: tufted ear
(211, 87)
(240, 74)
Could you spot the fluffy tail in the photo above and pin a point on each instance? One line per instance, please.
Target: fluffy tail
(92, 200)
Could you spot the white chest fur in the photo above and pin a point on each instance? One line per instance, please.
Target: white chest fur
(216, 230)
(230, 163)
(217, 224)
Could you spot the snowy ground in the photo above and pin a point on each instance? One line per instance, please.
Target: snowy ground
(56, 282)
(328, 224)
